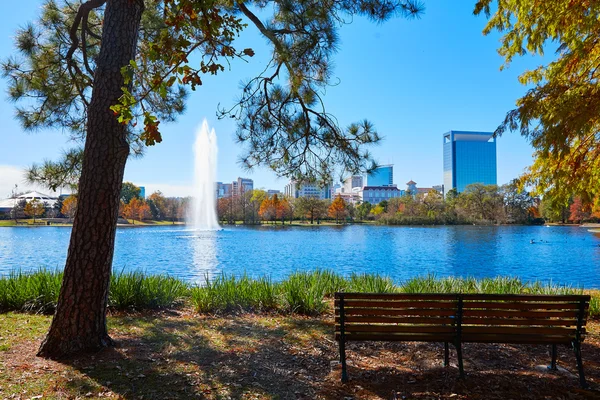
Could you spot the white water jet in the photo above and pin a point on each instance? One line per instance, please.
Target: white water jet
(204, 211)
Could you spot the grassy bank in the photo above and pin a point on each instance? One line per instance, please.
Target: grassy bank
(300, 293)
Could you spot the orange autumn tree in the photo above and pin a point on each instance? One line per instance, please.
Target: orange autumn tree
(144, 212)
(268, 208)
(284, 210)
(69, 207)
(132, 210)
(338, 209)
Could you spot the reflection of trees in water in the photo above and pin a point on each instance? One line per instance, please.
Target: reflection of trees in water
(204, 246)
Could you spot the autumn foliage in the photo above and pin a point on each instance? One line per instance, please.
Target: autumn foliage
(69, 207)
(274, 208)
(338, 209)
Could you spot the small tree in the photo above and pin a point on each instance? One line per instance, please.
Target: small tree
(129, 191)
(132, 210)
(268, 208)
(338, 209)
(143, 211)
(363, 210)
(69, 207)
(577, 212)
(34, 208)
(17, 211)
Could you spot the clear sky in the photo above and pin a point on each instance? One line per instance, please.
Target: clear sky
(414, 79)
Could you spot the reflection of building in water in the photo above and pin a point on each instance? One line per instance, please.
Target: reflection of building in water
(205, 260)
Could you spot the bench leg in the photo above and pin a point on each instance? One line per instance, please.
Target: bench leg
(552, 366)
(461, 370)
(343, 361)
(446, 354)
(577, 349)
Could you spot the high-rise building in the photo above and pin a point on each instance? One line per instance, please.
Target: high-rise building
(381, 176)
(351, 182)
(224, 190)
(469, 157)
(143, 192)
(241, 186)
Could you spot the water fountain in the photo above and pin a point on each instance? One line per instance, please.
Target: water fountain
(204, 212)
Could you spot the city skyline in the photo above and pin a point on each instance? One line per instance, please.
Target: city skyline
(409, 104)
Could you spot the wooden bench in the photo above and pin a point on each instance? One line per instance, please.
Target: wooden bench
(462, 318)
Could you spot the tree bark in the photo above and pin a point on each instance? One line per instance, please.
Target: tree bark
(79, 323)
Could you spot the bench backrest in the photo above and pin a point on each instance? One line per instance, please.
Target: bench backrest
(406, 317)
(463, 317)
(523, 318)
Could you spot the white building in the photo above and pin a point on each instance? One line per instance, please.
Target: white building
(295, 189)
(7, 205)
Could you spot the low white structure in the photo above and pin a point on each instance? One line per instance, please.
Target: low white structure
(7, 205)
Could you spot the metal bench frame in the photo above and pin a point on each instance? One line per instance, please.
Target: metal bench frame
(576, 305)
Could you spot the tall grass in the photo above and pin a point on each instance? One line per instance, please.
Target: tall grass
(38, 291)
(228, 293)
(301, 292)
(31, 292)
(137, 290)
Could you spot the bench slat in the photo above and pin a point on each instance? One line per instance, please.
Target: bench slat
(517, 339)
(515, 321)
(403, 337)
(521, 305)
(380, 311)
(397, 304)
(396, 296)
(526, 297)
(397, 320)
(520, 314)
(399, 328)
(502, 330)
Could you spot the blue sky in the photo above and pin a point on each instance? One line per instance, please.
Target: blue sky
(414, 79)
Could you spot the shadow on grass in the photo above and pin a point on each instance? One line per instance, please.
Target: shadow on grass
(290, 358)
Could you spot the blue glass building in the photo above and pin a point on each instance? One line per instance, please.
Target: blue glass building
(469, 157)
(381, 176)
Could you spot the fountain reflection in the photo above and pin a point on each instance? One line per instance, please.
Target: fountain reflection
(204, 258)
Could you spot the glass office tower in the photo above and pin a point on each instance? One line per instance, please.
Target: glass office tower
(469, 157)
(381, 176)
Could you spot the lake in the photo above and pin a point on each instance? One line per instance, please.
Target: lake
(566, 255)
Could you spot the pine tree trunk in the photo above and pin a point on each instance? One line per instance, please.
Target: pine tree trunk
(79, 323)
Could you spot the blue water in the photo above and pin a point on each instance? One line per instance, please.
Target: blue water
(567, 255)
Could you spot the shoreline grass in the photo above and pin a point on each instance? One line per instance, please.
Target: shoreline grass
(306, 293)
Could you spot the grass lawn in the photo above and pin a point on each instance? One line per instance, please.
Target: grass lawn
(183, 355)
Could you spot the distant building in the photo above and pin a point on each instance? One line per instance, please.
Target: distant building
(7, 205)
(469, 157)
(381, 176)
(411, 187)
(354, 181)
(376, 194)
(271, 192)
(439, 188)
(223, 190)
(241, 186)
(295, 189)
(142, 192)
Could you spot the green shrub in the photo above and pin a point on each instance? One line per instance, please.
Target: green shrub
(136, 290)
(304, 293)
(31, 292)
(370, 283)
(228, 293)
